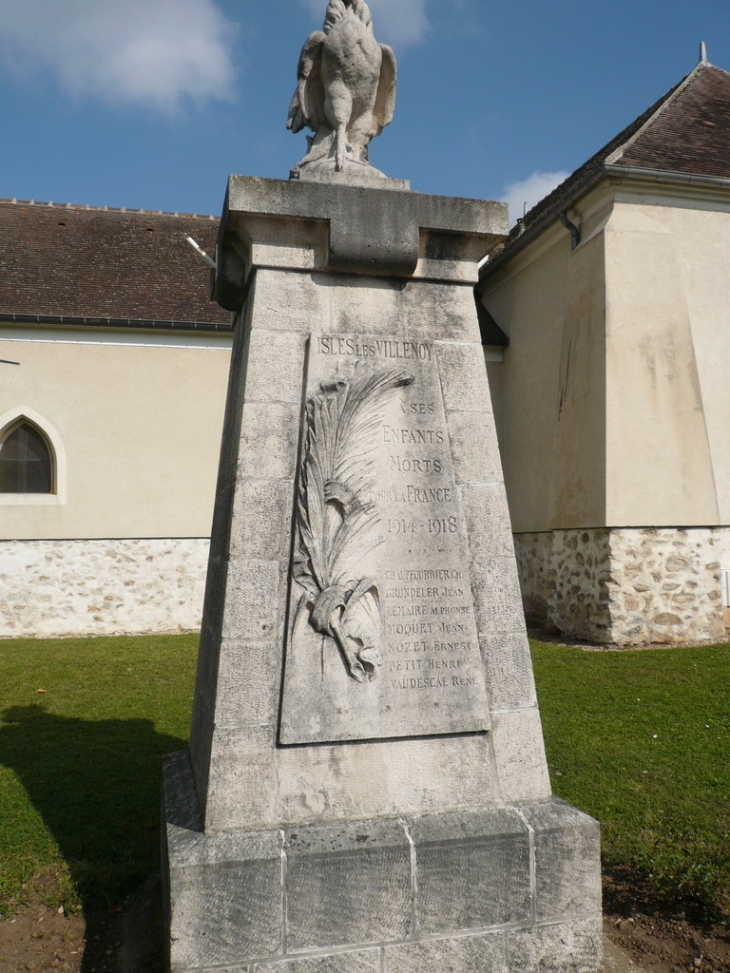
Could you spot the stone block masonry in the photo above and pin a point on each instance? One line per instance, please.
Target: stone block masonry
(626, 586)
(63, 588)
(366, 787)
(494, 890)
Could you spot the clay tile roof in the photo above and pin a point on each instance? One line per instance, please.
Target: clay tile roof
(692, 134)
(687, 131)
(565, 190)
(110, 266)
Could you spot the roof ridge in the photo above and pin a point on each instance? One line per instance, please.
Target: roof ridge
(80, 207)
(682, 137)
(593, 160)
(715, 67)
(661, 106)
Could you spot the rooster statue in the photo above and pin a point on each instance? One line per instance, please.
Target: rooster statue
(345, 92)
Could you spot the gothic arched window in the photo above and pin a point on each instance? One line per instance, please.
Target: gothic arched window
(26, 460)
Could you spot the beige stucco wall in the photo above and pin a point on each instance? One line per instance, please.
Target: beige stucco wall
(702, 237)
(667, 359)
(615, 398)
(139, 419)
(550, 302)
(523, 303)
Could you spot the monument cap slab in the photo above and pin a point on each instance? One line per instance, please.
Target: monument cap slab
(348, 229)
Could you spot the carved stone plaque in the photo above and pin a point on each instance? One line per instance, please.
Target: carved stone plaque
(381, 639)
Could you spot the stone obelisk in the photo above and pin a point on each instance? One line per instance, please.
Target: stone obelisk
(366, 788)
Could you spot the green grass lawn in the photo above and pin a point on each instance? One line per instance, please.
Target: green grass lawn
(80, 762)
(641, 740)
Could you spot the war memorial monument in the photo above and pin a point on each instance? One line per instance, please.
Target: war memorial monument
(366, 788)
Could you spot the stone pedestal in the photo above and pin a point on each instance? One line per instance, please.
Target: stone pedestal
(366, 787)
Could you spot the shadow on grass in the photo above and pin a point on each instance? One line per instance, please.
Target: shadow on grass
(96, 785)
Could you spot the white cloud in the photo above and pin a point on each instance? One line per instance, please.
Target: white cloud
(400, 22)
(530, 191)
(154, 52)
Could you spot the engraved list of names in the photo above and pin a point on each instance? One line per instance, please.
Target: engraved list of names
(382, 640)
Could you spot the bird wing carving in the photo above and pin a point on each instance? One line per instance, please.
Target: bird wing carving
(385, 98)
(307, 104)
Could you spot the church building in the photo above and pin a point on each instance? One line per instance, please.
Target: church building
(613, 401)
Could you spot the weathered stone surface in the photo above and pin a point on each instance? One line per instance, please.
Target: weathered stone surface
(407, 777)
(510, 682)
(224, 898)
(474, 448)
(520, 755)
(567, 861)
(463, 377)
(340, 888)
(373, 232)
(403, 660)
(345, 94)
(487, 519)
(273, 356)
(566, 947)
(482, 953)
(496, 595)
(452, 305)
(239, 792)
(248, 680)
(473, 871)
(358, 305)
(347, 756)
(360, 961)
(260, 527)
(252, 605)
(226, 910)
(286, 301)
(348, 885)
(248, 195)
(268, 439)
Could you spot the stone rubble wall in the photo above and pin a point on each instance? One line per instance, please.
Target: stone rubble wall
(665, 584)
(626, 586)
(564, 576)
(533, 553)
(579, 576)
(101, 587)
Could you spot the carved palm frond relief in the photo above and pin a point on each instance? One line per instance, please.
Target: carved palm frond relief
(337, 528)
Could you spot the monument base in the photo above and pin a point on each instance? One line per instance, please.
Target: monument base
(509, 888)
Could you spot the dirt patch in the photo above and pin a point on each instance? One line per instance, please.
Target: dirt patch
(121, 940)
(40, 940)
(659, 938)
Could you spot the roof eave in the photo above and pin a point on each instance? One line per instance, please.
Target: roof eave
(614, 173)
(113, 324)
(524, 239)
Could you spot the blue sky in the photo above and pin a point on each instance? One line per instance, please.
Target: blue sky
(151, 103)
